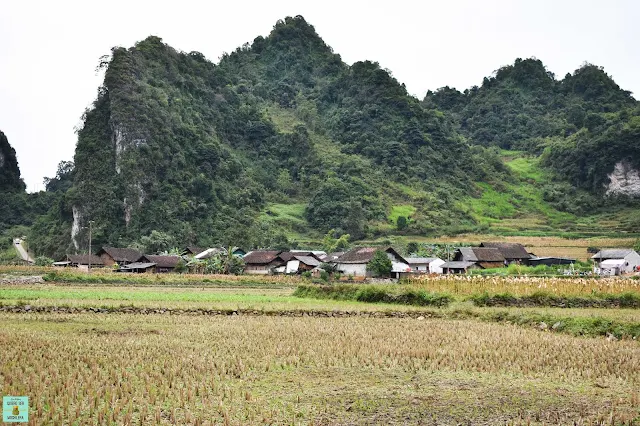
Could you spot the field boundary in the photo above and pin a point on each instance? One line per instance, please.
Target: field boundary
(586, 327)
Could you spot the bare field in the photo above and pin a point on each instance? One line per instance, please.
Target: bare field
(133, 369)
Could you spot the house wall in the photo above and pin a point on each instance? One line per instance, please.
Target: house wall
(633, 260)
(257, 269)
(355, 269)
(435, 267)
(420, 267)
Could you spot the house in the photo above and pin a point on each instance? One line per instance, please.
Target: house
(332, 257)
(210, 252)
(162, 263)
(512, 252)
(550, 260)
(82, 260)
(121, 256)
(425, 265)
(484, 257)
(262, 262)
(354, 262)
(616, 261)
(138, 267)
(460, 267)
(191, 251)
(299, 263)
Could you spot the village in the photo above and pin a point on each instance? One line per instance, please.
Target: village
(352, 264)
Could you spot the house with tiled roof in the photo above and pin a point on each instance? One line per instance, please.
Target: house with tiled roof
(483, 257)
(262, 262)
(121, 256)
(354, 262)
(616, 261)
(162, 263)
(512, 252)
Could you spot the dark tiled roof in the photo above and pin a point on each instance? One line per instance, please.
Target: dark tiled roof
(612, 254)
(420, 260)
(358, 255)
(456, 265)
(509, 250)
(122, 254)
(480, 254)
(307, 260)
(261, 257)
(193, 250)
(84, 259)
(162, 261)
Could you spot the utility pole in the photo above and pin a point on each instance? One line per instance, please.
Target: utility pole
(90, 222)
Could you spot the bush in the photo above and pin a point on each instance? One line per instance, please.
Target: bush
(374, 294)
(43, 261)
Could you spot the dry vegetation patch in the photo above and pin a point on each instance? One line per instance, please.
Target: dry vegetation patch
(131, 369)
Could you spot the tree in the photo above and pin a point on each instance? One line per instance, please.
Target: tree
(331, 244)
(380, 265)
(401, 223)
(157, 242)
(636, 246)
(412, 248)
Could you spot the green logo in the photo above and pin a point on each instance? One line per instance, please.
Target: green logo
(15, 409)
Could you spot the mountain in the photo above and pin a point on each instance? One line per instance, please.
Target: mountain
(10, 180)
(282, 142)
(585, 126)
(196, 152)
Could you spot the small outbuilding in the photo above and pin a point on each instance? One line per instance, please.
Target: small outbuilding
(163, 263)
(550, 260)
(458, 267)
(354, 262)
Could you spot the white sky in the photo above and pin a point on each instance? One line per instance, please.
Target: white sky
(49, 49)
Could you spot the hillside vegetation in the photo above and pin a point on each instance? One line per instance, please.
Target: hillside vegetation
(281, 142)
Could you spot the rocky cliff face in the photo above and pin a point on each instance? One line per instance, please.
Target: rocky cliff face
(624, 180)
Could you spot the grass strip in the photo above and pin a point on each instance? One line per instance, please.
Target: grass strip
(374, 294)
(545, 299)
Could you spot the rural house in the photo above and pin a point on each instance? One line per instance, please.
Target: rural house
(354, 262)
(484, 257)
(82, 260)
(460, 267)
(138, 267)
(121, 256)
(162, 263)
(616, 261)
(425, 265)
(191, 251)
(512, 252)
(299, 263)
(261, 262)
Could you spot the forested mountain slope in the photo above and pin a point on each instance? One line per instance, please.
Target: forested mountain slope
(282, 141)
(197, 152)
(585, 126)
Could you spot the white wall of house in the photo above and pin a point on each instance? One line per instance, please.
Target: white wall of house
(420, 267)
(633, 261)
(257, 270)
(355, 269)
(435, 267)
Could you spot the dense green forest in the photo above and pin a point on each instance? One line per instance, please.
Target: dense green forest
(281, 142)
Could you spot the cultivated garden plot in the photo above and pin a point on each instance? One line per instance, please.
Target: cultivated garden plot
(159, 369)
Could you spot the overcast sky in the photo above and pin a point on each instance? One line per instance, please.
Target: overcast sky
(49, 50)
